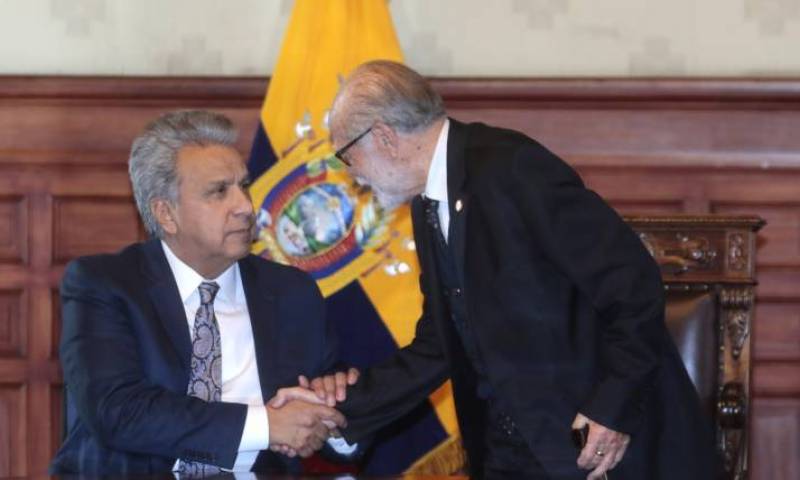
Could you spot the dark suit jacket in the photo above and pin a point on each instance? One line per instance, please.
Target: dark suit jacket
(125, 351)
(567, 309)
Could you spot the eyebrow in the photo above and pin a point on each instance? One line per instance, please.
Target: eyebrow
(245, 181)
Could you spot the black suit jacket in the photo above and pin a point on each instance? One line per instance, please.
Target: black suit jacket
(125, 351)
(567, 310)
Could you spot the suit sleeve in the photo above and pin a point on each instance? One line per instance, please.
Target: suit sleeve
(392, 388)
(608, 263)
(122, 409)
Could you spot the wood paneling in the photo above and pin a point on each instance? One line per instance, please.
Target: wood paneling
(776, 379)
(12, 430)
(86, 225)
(12, 323)
(13, 229)
(778, 338)
(55, 325)
(776, 436)
(779, 284)
(648, 146)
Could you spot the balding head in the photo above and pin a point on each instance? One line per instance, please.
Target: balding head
(387, 92)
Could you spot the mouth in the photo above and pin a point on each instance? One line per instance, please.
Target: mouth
(249, 232)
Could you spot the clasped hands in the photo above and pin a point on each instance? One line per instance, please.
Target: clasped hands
(302, 418)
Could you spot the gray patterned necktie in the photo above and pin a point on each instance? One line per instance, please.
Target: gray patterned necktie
(205, 380)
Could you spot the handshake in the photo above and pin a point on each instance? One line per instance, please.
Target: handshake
(302, 418)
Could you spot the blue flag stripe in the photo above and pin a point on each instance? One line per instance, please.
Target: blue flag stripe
(261, 154)
(364, 340)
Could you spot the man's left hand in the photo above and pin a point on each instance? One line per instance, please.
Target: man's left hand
(603, 450)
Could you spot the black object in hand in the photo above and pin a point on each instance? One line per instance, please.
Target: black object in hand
(579, 436)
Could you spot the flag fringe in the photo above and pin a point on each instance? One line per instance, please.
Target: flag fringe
(446, 458)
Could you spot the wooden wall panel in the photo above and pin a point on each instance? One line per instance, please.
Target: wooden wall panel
(776, 425)
(13, 449)
(648, 146)
(13, 229)
(776, 284)
(55, 325)
(89, 225)
(13, 313)
(776, 379)
(778, 338)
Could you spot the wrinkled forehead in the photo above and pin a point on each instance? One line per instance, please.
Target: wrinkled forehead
(339, 109)
(201, 163)
(337, 120)
(351, 89)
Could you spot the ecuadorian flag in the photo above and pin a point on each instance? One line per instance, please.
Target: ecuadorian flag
(311, 215)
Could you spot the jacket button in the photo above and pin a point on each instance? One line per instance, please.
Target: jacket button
(456, 292)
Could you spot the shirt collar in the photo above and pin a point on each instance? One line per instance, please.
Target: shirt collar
(188, 279)
(436, 185)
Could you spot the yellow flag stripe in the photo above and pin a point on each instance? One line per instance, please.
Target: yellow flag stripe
(324, 41)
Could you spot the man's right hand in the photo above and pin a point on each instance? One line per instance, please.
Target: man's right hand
(300, 423)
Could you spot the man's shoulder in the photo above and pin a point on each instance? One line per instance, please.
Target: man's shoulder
(481, 135)
(114, 264)
(490, 149)
(495, 154)
(107, 272)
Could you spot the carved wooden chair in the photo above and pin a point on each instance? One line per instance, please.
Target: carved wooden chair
(707, 263)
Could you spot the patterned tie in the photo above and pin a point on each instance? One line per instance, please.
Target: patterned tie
(205, 381)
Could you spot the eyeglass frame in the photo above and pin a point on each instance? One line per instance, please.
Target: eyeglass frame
(339, 154)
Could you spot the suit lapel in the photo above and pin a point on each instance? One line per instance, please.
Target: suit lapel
(261, 305)
(458, 199)
(424, 238)
(163, 292)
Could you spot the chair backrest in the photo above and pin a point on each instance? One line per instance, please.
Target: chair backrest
(692, 319)
(707, 264)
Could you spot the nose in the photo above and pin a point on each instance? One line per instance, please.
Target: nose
(242, 205)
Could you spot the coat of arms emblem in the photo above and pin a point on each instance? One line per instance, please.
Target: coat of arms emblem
(312, 215)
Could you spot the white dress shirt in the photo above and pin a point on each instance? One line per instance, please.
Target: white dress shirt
(436, 185)
(240, 381)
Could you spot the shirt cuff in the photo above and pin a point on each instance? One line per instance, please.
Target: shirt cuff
(255, 435)
(340, 445)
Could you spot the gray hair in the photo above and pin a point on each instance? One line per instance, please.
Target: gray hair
(391, 93)
(152, 165)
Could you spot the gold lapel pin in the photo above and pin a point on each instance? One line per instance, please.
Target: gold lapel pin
(459, 205)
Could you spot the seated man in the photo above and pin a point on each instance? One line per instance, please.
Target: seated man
(171, 347)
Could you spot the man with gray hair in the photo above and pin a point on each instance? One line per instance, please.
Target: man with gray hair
(541, 304)
(172, 347)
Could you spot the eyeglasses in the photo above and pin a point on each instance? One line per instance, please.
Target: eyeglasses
(340, 153)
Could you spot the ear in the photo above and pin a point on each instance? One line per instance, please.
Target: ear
(165, 215)
(386, 138)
